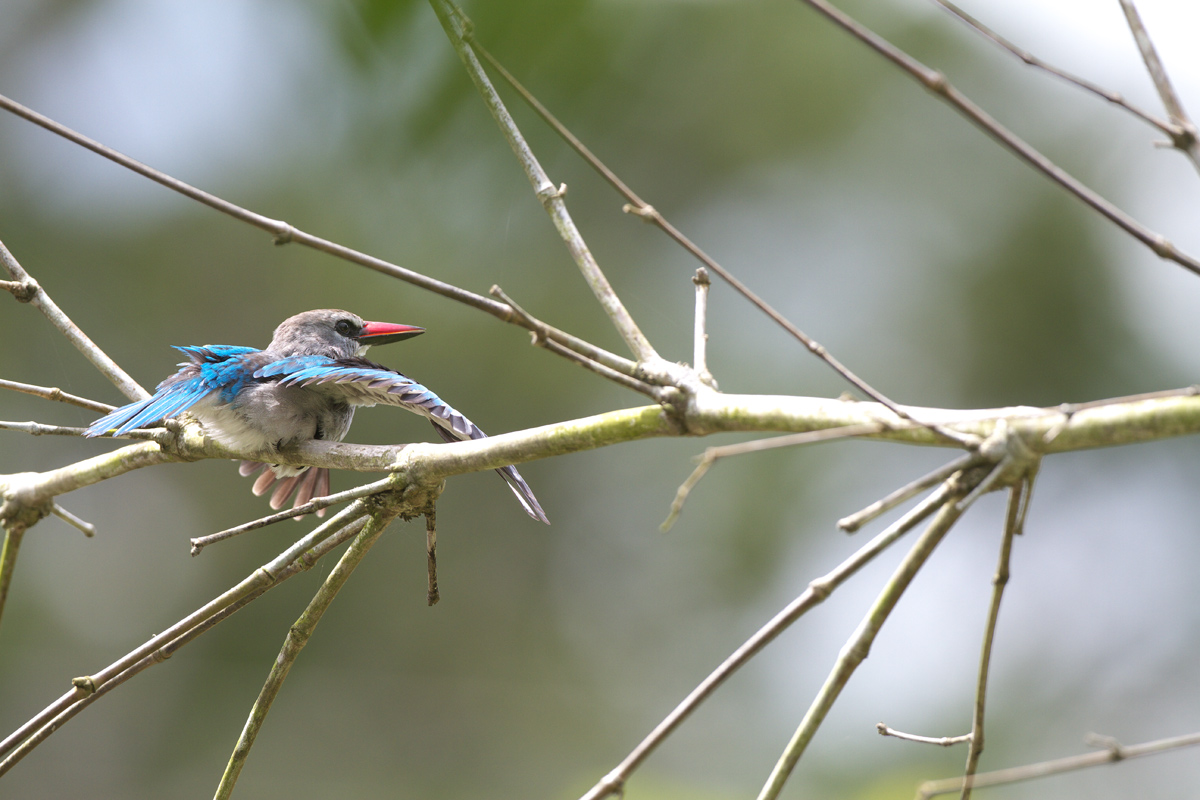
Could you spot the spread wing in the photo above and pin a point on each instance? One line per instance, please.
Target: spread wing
(217, 367)
(364, 383)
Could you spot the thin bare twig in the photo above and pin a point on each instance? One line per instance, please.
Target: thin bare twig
(1184, 137)
(87, 528)
(316, 504)
(298, 636)
(940, 741)
(40, 429)
(284, 233)
(456, 24)
(657, 393)
(859, 644)
(815, 594)
(1012, 523)
(1116, 98)
(623, 374)
(156, 657)
(854, 521)
(1158, 74)
(93, 690)
(548, 333)
(1110, 755)
(278, 569)
(649, 213)
(937, 84)
(712, 454)
(54, 393)
(38, 297)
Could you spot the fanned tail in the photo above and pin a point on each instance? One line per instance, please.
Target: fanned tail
(313, 482)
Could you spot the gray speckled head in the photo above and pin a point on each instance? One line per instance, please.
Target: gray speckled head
(325, 332)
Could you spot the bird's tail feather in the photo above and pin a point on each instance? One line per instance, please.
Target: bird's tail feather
(166, 403)
(511, 476)
(523, 492)
(313, 482)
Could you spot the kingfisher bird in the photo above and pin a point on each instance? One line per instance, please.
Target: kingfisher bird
(304, 386)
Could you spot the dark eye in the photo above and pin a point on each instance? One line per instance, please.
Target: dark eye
(346, 328)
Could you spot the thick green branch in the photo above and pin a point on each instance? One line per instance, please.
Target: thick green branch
(1045, 431)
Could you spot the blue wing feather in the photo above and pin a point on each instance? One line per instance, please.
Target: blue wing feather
(208, 368)
(361, 382)
(227, 369)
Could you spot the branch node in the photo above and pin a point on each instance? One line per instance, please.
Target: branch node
(821, 588)
(520, 313)
(466, 26)
(645, 211)
(23, 291)
(547, 192)
(1067, 410)
(1012, 460)
(1109, 743)
(935, 82)
(86, 683)
(1183, 135)
(1162, 247)
(284, 234)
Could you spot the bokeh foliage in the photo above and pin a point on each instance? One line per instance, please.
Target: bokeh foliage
(880, 222)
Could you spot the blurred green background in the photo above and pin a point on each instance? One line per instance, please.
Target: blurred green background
(921, 254)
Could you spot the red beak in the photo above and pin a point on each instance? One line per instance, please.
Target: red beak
(374, 333)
